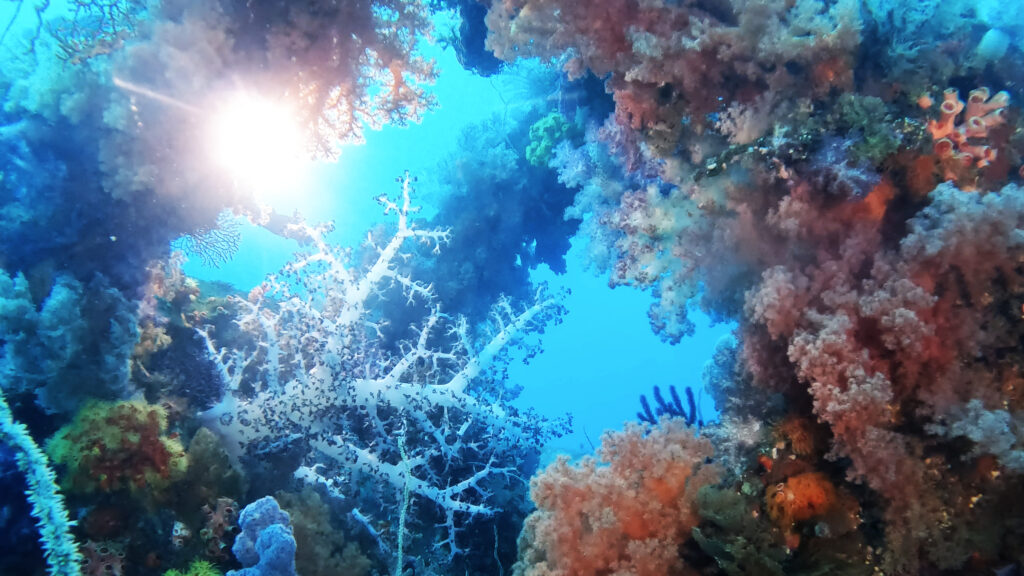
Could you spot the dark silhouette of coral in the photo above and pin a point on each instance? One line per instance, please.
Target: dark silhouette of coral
(675, 409)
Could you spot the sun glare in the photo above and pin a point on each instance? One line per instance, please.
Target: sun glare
(260, 145)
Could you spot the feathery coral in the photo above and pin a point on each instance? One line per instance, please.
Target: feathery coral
(627, 512)
(59, 546)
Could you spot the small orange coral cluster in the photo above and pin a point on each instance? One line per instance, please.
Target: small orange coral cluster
(965, 141)
(627, 517)
(810, 497)
(800, 498)
(797, 496)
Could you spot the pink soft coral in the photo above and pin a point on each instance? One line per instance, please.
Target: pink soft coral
(885, 339)
(626, 517)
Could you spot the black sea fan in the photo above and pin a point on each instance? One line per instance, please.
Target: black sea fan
(674, 408)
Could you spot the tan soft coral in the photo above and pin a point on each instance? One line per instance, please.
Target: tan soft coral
(627, 512)
(322, 547)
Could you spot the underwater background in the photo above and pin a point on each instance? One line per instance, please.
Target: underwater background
(531, 287)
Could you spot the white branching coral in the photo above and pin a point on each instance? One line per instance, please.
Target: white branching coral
(319, 371)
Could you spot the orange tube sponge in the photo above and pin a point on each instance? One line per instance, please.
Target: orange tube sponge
(628, 516)
(980, 104)
(981, 114)
(948, 110)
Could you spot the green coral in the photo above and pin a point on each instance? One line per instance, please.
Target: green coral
(210, 476)
(197, 568)
(112, 446)
(735, 534)
(869, 116)
(545, 134)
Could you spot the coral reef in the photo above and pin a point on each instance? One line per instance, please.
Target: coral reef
(784, 165)
(310, 390)
(829, 212)
(668, 60)
(112, 446)
(627, 512)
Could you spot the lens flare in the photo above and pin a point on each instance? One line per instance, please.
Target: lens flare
(260, 145)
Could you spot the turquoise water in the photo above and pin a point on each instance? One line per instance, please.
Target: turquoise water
(529, 287)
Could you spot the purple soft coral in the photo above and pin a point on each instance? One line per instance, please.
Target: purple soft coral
(832, 170)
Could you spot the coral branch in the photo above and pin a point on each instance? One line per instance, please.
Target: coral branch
(316, 370)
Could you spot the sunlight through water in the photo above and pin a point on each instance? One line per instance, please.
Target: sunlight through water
(260, 144)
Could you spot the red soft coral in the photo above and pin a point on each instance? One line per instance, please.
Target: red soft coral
(706, 51)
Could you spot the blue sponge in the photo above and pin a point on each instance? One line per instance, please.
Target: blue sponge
(266, 546)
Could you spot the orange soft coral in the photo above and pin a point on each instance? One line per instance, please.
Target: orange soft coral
(628, 516)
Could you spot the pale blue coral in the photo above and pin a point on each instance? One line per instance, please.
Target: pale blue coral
(52, 348)
(51, 515)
